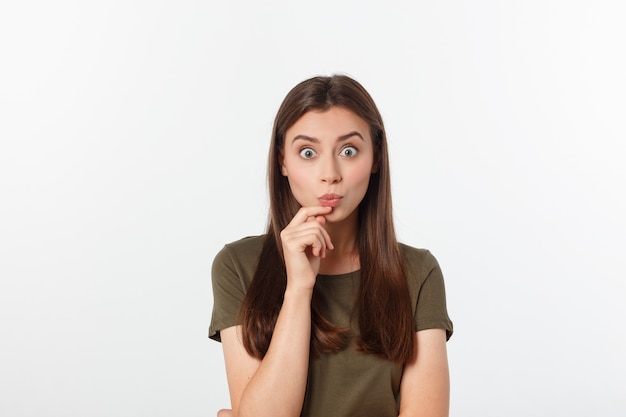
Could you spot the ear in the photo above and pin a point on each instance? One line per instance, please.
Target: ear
(281, 162)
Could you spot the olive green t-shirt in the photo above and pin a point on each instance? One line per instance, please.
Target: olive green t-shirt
(347, 383)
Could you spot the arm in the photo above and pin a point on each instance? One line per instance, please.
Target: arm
(275, 385)
(425, 386)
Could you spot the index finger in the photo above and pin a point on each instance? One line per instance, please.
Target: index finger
(312, 211)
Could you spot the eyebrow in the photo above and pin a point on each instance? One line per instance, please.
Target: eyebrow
(315, 140)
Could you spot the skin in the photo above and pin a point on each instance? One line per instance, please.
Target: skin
(328, 152)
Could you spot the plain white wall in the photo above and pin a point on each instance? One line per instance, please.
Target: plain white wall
(133, 146)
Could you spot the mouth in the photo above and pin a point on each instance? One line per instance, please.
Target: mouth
(330, 200)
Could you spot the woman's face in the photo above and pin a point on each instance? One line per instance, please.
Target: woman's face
(328, 157)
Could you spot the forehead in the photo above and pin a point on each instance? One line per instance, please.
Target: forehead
(328, 124)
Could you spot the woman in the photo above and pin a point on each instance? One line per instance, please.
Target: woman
(327, 314)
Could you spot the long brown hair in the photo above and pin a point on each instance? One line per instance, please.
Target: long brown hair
(382, 305)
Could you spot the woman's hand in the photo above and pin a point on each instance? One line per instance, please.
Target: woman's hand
(305, 242)
(253, 383)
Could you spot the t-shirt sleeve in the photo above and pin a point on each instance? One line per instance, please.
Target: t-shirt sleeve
(228, 292)
(431, 311)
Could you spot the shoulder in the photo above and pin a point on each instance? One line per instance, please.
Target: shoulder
(426, 289)
(239, 257)
(420, 266)
(417, 259)
(231, 274)
(246, 245)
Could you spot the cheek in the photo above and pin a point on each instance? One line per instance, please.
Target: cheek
(297, 177)
(299, 182)
(360, 175)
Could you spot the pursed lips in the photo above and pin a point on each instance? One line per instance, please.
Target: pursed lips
(330, 200)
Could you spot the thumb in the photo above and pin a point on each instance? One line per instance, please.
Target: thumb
(321, 220)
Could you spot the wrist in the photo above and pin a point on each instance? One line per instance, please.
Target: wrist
(298, 293)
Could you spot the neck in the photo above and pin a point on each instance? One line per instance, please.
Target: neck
(344, 257)
(343, 234)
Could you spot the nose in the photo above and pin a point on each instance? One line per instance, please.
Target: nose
(330, 173)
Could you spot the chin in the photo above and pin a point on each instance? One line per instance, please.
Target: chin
(338, 216)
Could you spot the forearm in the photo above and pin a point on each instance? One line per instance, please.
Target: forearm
(277, 387)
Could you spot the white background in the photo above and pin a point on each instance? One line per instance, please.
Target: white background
(133, 146)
